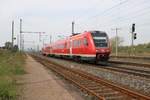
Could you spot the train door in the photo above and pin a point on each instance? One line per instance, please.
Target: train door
(86, 49)
(70, 48)
(50, 50)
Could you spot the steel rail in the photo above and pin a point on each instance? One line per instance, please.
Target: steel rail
(78, 77)
(73, 81)
(132, 57)
(130, 63)
(132, 71)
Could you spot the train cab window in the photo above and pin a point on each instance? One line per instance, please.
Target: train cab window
(85, 41)
(100, 38)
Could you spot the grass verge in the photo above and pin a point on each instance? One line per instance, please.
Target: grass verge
(11, 64)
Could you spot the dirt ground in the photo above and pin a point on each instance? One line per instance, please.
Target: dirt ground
(41, 84)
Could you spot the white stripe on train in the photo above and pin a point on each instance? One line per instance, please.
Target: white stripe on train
(83, 55)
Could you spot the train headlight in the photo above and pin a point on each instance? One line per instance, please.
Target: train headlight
(107, 50)
(102, 50)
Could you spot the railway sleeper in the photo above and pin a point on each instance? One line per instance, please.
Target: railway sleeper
(104, 90)
(119, 97)
(75, 77)
(85, 81)
(79, 81)
(111, 94)
(94, 88)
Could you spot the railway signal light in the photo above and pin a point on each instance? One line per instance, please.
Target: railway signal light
(14, 38)
(135, 36)
(133, 28)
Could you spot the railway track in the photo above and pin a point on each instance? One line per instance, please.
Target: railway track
(130, 63)
(132, 57)
(131, 60)
(114, 66)
(100, 89)
(133, 71)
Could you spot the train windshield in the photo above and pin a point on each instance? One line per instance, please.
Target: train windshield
(100, 39)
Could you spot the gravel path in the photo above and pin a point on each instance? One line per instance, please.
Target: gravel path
(41, 84)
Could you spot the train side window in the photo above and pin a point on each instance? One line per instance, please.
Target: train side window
(85, 41)
(75, 43)
(79, 43)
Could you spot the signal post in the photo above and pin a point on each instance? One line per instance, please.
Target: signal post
(133, 37)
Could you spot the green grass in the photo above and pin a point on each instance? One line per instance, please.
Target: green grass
(7, 89)
(138, 50)
(11, 64)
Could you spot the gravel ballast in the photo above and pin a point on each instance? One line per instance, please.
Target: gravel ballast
(139, 84)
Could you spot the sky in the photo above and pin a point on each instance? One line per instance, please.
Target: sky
(54, 17)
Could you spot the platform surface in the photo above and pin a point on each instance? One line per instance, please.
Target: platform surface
(41, 84)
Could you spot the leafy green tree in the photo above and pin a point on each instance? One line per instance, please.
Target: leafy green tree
(8, 45)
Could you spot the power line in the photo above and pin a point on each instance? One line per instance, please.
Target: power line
(122, 18)
(142, 14)
(126, 19)
(22, 37)
(87, 10)
(132, 6)
(135, 17)
(107, 10)
(133, 13)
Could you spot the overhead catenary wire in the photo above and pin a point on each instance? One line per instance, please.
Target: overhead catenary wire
(112, 8)
(79, 24)
(107, 10)
(106, 25)
(133, 13)
(138, 13)
(127, 6)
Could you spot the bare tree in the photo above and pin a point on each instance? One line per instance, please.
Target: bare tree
(113, 42)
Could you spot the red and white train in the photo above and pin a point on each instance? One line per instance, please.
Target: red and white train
(91, 46)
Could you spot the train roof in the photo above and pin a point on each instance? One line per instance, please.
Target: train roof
(98, 33)
(76, 35)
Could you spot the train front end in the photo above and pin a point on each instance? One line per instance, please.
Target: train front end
(102, 46)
